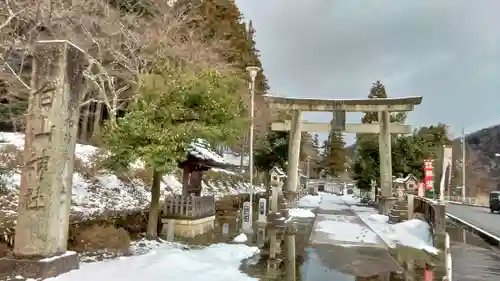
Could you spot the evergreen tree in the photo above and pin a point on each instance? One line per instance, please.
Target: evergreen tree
(221, 21)
(272, 151)
(173, 109)
(334, 159)
(316, 145)
(408, 152)
(405, 150)
(367, 163)
(377, 91)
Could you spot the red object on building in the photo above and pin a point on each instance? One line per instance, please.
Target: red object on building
(429, 174)
(428, 275)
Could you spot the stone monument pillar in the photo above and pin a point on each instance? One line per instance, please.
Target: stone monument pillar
(49, 155)
(290, 257)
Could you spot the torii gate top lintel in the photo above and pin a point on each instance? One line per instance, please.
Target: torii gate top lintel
(349, 105)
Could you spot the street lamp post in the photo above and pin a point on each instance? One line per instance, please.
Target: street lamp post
(464, 172)
(252, 71)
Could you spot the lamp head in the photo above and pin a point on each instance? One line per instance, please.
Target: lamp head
(253, 70)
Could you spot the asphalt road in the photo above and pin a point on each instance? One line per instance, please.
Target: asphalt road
(472, 263)
(478, 216)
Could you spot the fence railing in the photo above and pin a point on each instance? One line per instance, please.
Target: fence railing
(463, 200)
(435, 212)
(189, 207)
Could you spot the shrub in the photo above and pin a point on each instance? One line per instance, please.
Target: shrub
(99, 237)
(10, 157)
(4, 250)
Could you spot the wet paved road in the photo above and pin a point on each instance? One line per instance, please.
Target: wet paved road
(473, 258)
(289, 256)
(478, 216)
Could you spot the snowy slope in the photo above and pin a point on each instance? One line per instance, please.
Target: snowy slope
(103, 192)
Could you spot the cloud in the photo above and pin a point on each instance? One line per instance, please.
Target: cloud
(447, 51)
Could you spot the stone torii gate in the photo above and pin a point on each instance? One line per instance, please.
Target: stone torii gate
(339, 107)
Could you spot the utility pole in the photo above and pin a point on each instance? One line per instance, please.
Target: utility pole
(463, 164)
(308, 172)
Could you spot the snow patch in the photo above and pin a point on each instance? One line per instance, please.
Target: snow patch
(300, 213)
(412, 233)
(340, 228)
(309, 201)
(169, 262)
(242, 238)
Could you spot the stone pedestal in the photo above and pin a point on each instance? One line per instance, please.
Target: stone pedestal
(38, 268)
(274, 199)
(411, 206)
(187, 228)
(49, 155)
(291, 198)
(290, 256)
(385, 204)
(439, 225)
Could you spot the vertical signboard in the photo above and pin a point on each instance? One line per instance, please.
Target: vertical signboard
(262, 210)
(247, 216)
(421, 189)
(429, 174)
(225, 229)
(373, 185)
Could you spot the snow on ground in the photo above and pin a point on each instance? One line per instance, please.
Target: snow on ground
(242, 238)
(304, 207)
(169, 261)
(235, 159)
(335, 224)
(309, 201)
(300, 213)
(332, 202)
(342, 228)
(412, 233)
(105, 192)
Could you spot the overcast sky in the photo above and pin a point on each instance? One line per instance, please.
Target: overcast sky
(447, 51)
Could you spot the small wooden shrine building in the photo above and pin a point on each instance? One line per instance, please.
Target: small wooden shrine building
(190, 214)
(200, 158)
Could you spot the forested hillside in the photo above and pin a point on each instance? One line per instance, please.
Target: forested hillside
(482, 162)
(123, 39)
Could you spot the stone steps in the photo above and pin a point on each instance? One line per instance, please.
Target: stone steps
(399, 212)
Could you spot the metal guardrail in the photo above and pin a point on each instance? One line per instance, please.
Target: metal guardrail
(472, 201)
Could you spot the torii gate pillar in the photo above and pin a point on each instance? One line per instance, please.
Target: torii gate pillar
(386, 200)
(293, 157)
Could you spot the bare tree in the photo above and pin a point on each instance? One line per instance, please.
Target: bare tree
(119, 46)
